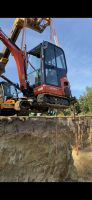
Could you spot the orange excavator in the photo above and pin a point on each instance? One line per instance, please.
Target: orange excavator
(45, 85)
(8, 91)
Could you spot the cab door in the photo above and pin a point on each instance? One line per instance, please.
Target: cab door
(50, 67)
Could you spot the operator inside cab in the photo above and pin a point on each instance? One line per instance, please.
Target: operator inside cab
(51, 77)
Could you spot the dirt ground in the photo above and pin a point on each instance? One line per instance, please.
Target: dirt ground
(35, 150)
(40, 150)
(83, 163)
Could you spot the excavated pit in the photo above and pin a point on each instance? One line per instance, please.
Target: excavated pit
(45, 149)
(35, 150)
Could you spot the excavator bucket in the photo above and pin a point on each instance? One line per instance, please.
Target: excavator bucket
(37, 24)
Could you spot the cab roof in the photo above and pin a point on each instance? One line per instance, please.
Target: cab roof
(36, 50)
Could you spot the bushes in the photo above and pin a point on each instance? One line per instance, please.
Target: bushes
(85, 101)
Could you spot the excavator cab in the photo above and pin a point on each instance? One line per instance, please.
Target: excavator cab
(7, 90)
(8, 96)
(49, 63)
(50, 74)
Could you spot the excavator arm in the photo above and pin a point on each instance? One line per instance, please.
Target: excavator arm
(37, 24)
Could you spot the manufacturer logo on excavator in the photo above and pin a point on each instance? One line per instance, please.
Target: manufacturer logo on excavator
(39, 89)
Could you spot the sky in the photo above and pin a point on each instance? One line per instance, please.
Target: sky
(74, 36)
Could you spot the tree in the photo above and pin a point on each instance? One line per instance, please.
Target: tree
(85, 101)
(89, 97)
(77, 108)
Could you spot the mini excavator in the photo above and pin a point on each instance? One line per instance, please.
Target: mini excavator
(45, 85)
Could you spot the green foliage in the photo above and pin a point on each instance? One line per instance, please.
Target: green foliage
(67, 112)
(84, 104)
(77, 108)
(85, 101)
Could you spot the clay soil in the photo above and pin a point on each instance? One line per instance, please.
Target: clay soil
(83, 163)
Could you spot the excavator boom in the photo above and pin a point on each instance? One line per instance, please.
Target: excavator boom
(19, 58)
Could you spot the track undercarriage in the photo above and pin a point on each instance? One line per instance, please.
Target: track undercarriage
(45, 101)
(42, 103)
